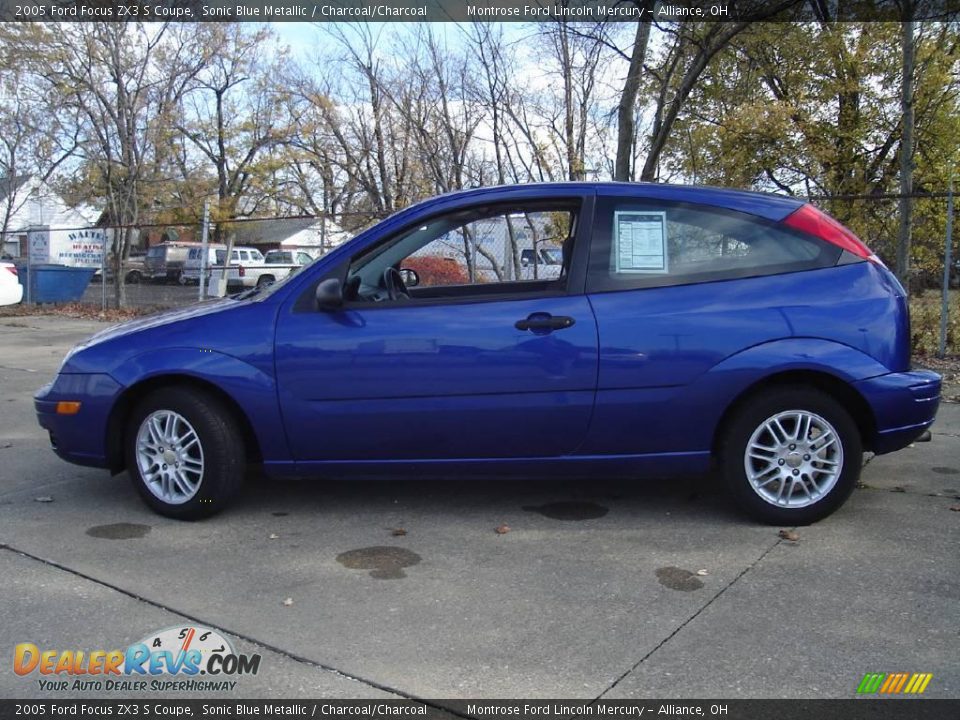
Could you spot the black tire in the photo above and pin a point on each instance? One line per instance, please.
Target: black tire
(219, 437)
(133, 277)
(264, 280)
(750, 416)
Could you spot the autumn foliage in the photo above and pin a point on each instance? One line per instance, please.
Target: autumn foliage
(434, 270)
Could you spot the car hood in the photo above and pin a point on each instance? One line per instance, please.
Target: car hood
(206, 307)
(145, 324)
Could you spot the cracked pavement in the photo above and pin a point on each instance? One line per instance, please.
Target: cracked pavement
(594, 592)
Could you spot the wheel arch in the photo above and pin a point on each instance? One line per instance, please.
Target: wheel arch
(842, 391)
(128, 399)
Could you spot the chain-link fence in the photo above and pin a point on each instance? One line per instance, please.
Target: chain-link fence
(154, 266)
(165, 266)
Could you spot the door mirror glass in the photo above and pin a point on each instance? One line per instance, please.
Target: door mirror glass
(410, 277)
(329, 294)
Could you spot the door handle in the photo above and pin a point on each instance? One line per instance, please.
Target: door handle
(544, 321)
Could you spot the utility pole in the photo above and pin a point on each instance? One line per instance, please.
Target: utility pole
(204, 234)
(947, 260)
(906, 146)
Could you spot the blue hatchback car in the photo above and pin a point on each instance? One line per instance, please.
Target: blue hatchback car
(681, 329)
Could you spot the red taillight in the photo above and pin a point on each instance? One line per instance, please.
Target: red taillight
(810, 220)
(13, 269)
(241, 271)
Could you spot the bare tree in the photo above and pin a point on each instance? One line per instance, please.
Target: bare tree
(30, 148)
(234, 116)
(112, 92)
(577, 52)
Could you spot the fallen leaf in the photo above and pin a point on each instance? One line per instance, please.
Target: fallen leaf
(43, 498)
(789, 535)
(955, 508)
(398, 532)
(273, 536)
(502, 529)
(288, 602)
(702, 572)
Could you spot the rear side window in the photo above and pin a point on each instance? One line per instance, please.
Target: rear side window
(638, 244)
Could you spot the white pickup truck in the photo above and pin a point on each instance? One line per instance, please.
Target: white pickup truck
(249, 268)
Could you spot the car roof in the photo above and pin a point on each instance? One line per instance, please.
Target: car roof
(767, 205)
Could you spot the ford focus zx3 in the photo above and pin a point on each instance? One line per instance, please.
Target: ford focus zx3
(685, 329)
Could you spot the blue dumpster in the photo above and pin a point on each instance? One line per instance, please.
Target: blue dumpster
(58, 283)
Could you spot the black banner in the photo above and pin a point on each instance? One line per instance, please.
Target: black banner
(474, 10)
(854, 709)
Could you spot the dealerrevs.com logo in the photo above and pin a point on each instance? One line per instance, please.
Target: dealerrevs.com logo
(188, 658)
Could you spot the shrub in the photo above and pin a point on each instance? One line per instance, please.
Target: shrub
(435, 270)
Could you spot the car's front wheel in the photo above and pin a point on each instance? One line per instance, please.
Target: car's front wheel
(184, 453)
(791, 456)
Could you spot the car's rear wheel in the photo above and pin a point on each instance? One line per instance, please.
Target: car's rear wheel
(264, 280)
(184, 453)
(791, 456)
(133, 277)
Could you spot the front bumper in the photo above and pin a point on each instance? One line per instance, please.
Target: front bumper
(82, 438)
(903, 404)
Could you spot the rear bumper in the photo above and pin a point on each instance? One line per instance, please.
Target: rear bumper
(904, 405)
(11, 294)
(82, 438)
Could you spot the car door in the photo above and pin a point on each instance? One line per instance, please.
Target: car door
(677, 287)
(475, 364)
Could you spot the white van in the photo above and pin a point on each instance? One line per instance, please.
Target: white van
(190, 273)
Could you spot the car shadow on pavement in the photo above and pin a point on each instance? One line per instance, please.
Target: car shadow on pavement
(566, 499)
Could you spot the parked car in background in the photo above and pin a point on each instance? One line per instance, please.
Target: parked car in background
(190, 273)
(545, 263)
(287, 257)
(134, 269)
(164, 262)
(237, 270)
(688, 329)
(11, 291)
(249, 268)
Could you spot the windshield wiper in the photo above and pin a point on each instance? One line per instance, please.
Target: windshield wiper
(246, 293)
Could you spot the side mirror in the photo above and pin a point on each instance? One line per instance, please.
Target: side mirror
(329, 294)
(410, 277)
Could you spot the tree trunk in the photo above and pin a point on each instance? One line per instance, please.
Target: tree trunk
(906, 148)
(626, 110)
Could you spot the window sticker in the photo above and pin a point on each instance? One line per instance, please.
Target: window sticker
(640, 241)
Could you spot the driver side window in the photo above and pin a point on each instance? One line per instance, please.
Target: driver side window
(468, 253)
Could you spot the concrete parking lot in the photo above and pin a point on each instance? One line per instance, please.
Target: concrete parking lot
(606, 589)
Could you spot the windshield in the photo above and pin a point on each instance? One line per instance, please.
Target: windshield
(553, 256)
